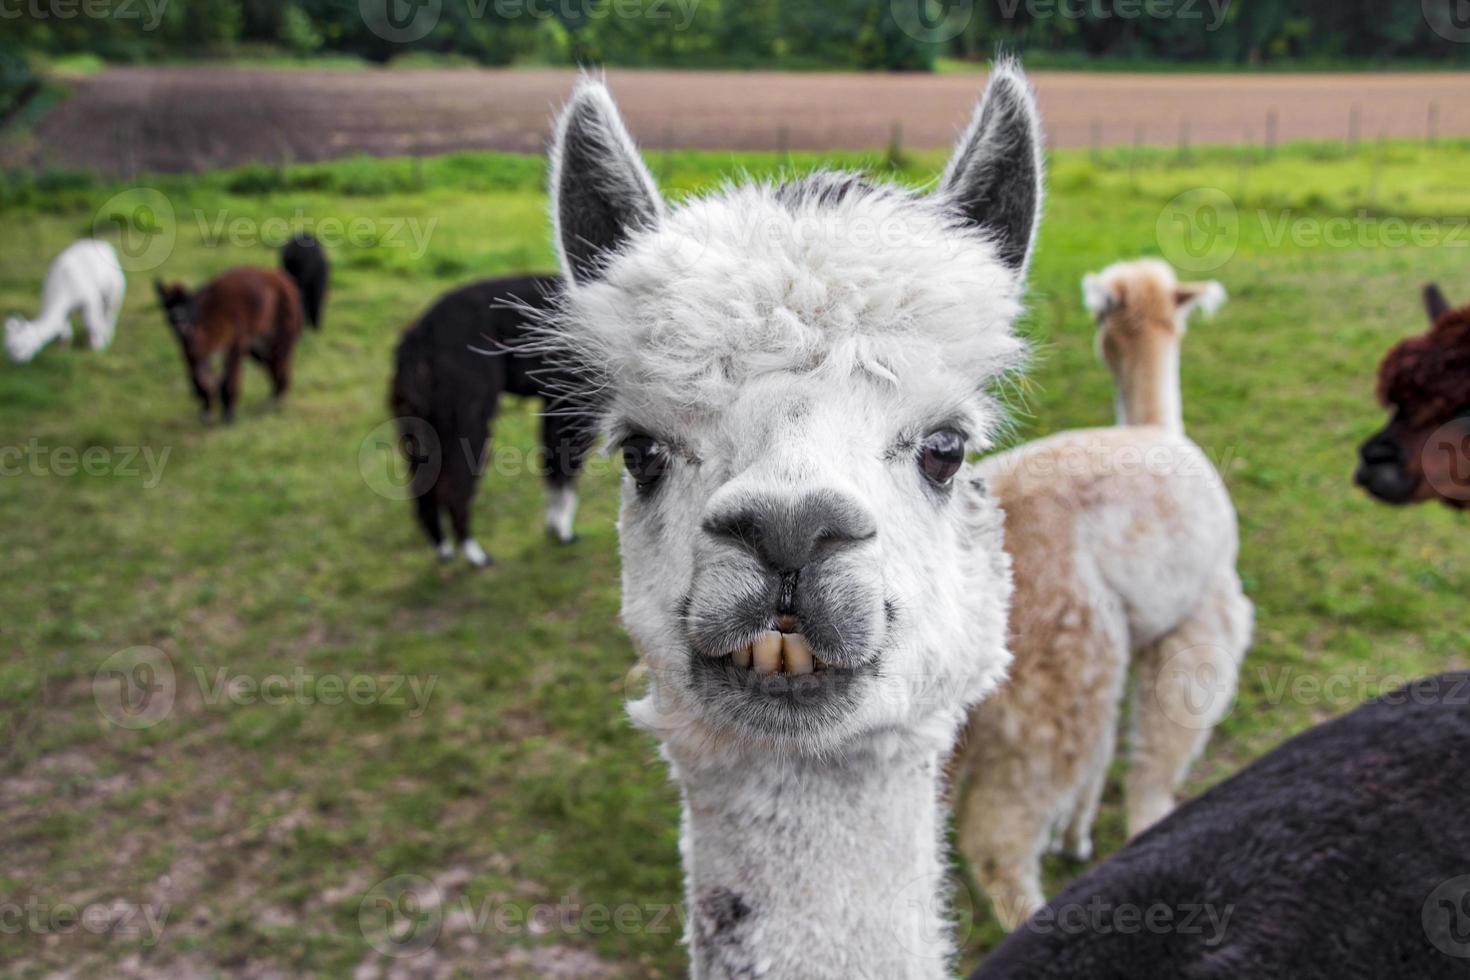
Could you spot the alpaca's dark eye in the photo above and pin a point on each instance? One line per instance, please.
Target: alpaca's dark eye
(645, 460)
(941, 455)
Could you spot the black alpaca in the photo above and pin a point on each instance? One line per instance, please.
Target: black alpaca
(305, 261)
(1343, 853)
(452, 367)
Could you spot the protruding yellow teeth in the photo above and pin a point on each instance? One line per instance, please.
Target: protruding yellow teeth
(778, 653)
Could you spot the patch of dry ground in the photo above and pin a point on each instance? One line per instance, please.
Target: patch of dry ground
(184, 119)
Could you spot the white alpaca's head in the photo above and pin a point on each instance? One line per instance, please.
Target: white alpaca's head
(794, 373)
(19, 346)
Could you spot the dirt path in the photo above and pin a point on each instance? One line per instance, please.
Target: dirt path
(131, 120)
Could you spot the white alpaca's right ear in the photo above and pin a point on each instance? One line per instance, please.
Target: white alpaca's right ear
(995, 176)
(600, 190)
(1098, 296)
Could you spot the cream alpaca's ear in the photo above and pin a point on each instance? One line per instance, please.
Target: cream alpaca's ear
(995, 176)
(600, 190)
(1097, 296)
(1207, 297)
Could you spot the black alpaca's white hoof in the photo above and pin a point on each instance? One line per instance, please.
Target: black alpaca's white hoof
(561, 537)
(561, 511)
(475, 555)
(445, 551)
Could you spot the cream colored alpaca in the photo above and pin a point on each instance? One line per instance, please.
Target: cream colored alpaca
(1124, 543)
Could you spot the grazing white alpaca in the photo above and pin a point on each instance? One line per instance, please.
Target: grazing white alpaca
(86, 276)
(1124, 543)
(793, 374)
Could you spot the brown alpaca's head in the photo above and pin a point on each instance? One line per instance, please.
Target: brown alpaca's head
(178, 306)
(1424, 451)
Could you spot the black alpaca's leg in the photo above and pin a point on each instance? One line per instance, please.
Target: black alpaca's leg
(316, 293)
(426, 484)
(426, 509)
(459, 482)
(564, 446)
(458, 504)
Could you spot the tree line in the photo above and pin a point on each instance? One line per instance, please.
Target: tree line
(835, 34)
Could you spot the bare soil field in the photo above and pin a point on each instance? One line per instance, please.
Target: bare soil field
(124, 121)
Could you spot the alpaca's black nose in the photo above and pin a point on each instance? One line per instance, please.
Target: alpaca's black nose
(1380, 448)
(789, 533)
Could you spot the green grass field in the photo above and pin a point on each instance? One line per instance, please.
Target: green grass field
(486, 748)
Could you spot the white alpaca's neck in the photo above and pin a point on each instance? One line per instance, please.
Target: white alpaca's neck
(796, 868)
(1149, 393)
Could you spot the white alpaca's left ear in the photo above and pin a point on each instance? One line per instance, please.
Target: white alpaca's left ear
(995, 176)
(1207, 297)
(600, 190)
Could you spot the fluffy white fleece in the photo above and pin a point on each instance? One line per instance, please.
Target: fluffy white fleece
(743, 283)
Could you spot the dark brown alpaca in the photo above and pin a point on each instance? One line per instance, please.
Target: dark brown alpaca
(1424, 451)
(243, 312)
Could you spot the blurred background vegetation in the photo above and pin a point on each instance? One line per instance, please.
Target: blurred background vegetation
(796, 34)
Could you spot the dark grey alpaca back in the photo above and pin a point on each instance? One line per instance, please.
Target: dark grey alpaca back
(305, 261)
(1344, 853)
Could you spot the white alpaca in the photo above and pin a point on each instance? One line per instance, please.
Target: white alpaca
(813, 578)
(86, 276)
(1124, 543)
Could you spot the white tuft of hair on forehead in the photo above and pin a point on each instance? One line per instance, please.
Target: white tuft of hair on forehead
(828, 276)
